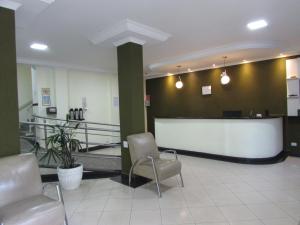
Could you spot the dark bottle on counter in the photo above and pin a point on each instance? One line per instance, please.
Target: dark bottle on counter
(81, 114)
(76, 114)
(71, 114)
(267, 114)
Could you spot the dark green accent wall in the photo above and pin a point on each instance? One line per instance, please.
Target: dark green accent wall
(293, 134)
(131, 92)
(9, 136)
(257, 86)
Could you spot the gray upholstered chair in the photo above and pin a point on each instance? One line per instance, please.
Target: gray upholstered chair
(21, 194)
(146, 160)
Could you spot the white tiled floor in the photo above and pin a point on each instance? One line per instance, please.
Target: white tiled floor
(215, 193)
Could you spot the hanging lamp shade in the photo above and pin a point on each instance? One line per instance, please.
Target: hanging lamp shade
(225, 79)
(179, 83)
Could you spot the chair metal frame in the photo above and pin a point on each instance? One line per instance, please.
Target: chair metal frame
(60, 198)
(137, 162)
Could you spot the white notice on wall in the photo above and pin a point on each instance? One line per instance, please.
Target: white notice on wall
(206, 90)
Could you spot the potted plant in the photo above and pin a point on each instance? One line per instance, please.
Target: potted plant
(60, 148)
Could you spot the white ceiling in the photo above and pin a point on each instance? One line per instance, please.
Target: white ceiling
(199, 32)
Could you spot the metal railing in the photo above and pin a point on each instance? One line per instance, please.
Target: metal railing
(85, 128)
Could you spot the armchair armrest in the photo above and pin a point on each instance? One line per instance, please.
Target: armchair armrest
(171, 151)
(59, 195)
(58, 190)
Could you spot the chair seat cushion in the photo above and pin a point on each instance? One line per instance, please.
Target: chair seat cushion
(165, 168)
(37, 210)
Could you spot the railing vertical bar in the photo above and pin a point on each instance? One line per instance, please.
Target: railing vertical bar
(45, 134)
(86, 137)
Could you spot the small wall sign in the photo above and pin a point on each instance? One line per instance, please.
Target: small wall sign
(206, 90)
(46, 99)
(147, 100)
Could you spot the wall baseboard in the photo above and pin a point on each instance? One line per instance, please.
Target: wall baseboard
(295, 154)
(258, 161)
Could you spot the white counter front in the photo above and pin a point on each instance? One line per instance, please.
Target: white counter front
(244, 138)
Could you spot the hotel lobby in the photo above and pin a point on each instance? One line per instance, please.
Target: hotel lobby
(144, 112)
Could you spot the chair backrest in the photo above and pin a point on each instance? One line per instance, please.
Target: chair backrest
(142, 145)
(19, 178)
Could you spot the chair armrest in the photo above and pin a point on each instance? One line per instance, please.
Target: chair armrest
(171, 151)
(60, 198)
(58, 191)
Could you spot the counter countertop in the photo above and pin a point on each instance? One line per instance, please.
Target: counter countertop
(243, 117)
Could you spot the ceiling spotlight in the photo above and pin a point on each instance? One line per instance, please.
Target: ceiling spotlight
(245, 61)
(39, 46)
(48, 1)
(213, 65)
(189, 70)
(258, 24)
(282, 55)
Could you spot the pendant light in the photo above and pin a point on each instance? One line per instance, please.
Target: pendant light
(225, 79)
(179, 83)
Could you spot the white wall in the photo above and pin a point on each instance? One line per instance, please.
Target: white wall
(68, 87)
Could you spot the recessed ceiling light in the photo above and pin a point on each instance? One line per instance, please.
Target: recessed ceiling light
(48, 1)
(281, 55)
(245, 61)
(214, 65)
(258, 24)
(39, 46)
(170, 74)
(189, 70)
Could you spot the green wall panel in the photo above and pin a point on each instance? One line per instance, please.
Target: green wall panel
(9, 136)
(257, 86)
(131, 92)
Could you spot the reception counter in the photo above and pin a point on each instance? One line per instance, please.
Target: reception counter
(245, 139)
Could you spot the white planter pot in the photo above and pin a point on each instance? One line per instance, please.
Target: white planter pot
(70, 179)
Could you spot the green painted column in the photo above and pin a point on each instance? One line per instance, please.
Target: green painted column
(131, 95)
(9, 133)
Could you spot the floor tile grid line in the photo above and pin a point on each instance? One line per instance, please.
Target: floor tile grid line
(242, 203)
(102, 211)
(130, 217)
(257, 218)
(190, 207)
(246, 205)
(278, 202)
(289, 213)
(272, 202)
(160, 208)
(84, 199)
(99, 219)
